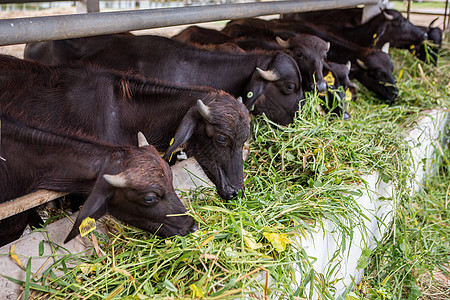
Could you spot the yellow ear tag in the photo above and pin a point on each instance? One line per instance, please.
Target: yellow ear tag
(375, 39)
(348, 95)
(329, 78)
(170, 144)
(411, 47)
(87, 226)
(413, 52)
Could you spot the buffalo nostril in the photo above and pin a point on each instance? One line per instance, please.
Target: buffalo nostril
(347, 116)
(321, 86)
(425, 36)
(194, 228)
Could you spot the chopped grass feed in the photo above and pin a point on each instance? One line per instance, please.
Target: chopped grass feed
(296, 177)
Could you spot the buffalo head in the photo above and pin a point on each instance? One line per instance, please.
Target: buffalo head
(342, 73)
(136, 188)
(394, 28)
(275, 90)
(338, 92)
(374, 71)
(309, 52)
(429, 51)
(215, 132)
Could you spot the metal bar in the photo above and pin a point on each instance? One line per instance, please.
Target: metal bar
(425, 13)
(24, 30)
(445, 16)
(25, 1)
(408, 10)
(13, 207)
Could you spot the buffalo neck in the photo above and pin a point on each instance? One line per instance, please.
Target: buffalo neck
(341, 50)
(180, 63)
(363, 35)
(37, 158)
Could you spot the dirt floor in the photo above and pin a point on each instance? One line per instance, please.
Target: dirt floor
(17, 50)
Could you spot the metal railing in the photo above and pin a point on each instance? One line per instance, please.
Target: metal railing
(24, 30)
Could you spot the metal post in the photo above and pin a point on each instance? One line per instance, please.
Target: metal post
(371, 10)
(408, 10)
(446, 16)
(88, 6)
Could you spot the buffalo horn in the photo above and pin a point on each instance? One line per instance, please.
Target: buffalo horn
(204, 110)
(116, 180)
(239, 99)
(328, 46)
(385, 47)
(348, 65)
(268, 75)
(142, 141)
(388, 16)
(283, 44)
(432, 22)
(361, 64)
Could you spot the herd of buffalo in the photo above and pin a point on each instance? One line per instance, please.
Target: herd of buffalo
(90, 116)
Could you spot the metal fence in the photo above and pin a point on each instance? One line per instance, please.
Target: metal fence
(24, 30)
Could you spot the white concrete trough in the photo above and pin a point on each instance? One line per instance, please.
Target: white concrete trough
(324, 245)
(379, 201)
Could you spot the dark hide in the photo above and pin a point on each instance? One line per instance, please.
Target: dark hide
(62, 51)
(177, 62)
(38, 159)
(341, 91)
(342, 73)
(202, 36)
(349, 17)
(113, 106)
(212, 39)
(377, 31)
(429, 51)
(307, 50)
(377, 68)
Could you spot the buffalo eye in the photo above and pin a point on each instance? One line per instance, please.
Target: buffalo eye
(290, 87)
(150, 198)
(221, 139)
(298, 54)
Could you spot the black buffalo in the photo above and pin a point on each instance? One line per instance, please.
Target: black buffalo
(269, 82)
(429, 51)
(389, 26)
(372, 67)
(134, 184)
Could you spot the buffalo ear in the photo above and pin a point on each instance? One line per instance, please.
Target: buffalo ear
(184, 132)
(95, 205)
(381, 30)
(253, 90)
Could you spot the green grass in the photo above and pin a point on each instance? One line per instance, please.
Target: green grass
(417, 249)
(296, 177)
(406, 262)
